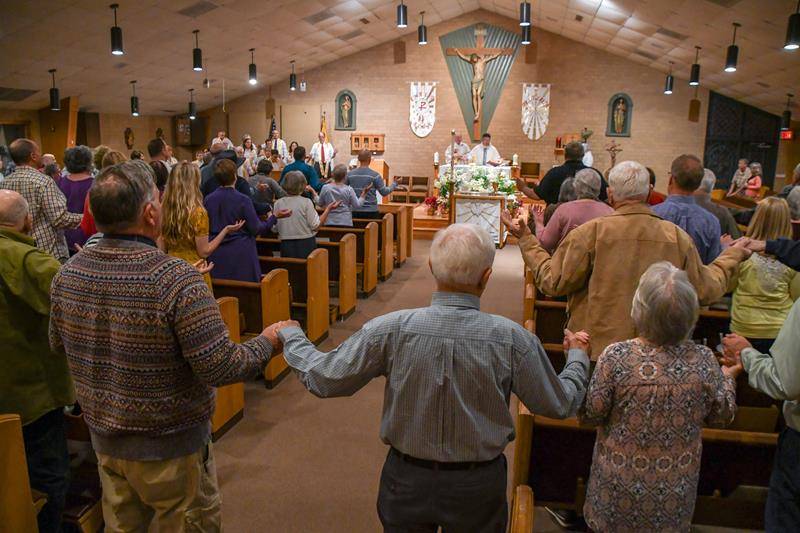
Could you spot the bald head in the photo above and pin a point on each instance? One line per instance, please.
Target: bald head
(14, 211)
(48, 159)
(24, 152)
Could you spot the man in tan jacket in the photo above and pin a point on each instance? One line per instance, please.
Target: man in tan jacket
(598, 264)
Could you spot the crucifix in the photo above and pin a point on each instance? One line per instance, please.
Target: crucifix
(478, 58)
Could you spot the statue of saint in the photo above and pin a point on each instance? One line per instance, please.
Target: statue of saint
(620, 110)
(344, 110)
(478, 62)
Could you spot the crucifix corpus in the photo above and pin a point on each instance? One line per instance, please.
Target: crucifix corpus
(478, 58)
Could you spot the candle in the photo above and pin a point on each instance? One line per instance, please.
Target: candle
(515, 160)
(435, 158)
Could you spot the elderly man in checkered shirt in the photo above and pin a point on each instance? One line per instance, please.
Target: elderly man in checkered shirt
(450, 370)
(47, 203)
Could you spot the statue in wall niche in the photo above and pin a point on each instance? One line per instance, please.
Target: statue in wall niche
(620, 107)
(345, 107)
(619, 115)
(128, 138)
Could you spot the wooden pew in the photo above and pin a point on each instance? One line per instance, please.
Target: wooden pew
(308, 279)
(522, 510)
(229, 404)
(554, 458)
(341, 270)
(366, 253)
(18, 507)
(402, 224)
(385, 243)
(260, 304)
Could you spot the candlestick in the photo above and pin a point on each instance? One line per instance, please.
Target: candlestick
(435, 158)
(515, 160)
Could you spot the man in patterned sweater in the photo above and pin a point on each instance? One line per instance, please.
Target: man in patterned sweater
(146, 343)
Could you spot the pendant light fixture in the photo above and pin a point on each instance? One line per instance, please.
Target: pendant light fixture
(292, 79)
(733, 51)
(422, 30)
(793, 30)
(402, 15)
(694, 78)
(670, 81)
(526, 35)
(55, 100)
(192, 105)
(116, 34)
(524, 13)
(786, 117)
(197, 54)
(134, 100)
(251, 71)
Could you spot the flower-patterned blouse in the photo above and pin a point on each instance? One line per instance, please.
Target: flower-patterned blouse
(650, 404)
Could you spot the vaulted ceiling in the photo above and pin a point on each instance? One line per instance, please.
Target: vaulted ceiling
(72, 36)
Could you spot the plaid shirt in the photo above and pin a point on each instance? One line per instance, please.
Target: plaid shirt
(48, 208)
(450, 370)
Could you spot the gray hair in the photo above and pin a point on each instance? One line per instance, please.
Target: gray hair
(794, 202)
(566, 193)
(629, 180)
(13, 208)
(665, 306)
(587, 184)
(294, 182)
(708, 182)
(755, 166)
(460, 254)
(78, 159)
(120, 193)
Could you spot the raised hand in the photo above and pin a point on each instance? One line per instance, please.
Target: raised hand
(233, 228)
(517, 228)
(203, 267)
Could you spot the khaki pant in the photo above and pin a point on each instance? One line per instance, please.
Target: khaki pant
(171, 496)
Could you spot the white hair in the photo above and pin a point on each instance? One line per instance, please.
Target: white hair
(587, 184)
(460, 254)
(629, 180)
(708, 182)
(13, 208)
(665, 306)
(794, 202)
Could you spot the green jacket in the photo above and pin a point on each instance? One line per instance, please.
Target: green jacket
(33, 379)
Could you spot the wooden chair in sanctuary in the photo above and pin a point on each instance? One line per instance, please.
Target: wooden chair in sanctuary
(19, 504)
(554, 457)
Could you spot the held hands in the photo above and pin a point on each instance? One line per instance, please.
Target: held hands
(732, 346)
(365, 190)
(283, 213)
(517, 228)
(233, 228)
(271, 332)
(579, 341)
(333, 205)
(748, 245)
(203, 267)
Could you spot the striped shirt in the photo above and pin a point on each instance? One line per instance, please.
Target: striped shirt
(450, 370)
(48, 207)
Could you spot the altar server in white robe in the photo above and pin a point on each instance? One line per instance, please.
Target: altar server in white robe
(462, 151)
(322, 157)
(485, 153)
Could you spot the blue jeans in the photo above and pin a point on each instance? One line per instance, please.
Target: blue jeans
(783, 501)
(48, 465)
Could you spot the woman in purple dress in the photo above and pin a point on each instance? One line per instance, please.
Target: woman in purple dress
(75, 186)
(236, 257)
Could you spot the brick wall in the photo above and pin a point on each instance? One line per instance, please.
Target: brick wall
(583, 80)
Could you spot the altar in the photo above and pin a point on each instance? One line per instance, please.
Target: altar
(482, 210)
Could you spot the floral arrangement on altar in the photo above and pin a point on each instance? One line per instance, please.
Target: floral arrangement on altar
(476, 179)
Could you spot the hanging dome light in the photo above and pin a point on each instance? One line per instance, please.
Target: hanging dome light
(694, 78)
(192, 105)
(524, 14)
(197, 54)
(786, 117)
(55, 99)
(292, 79)
(134, 100)
(793, 30)
(670, 81)
(402, 15)
(526, 35)
(116, 34)
(733, 52)
(251, 71)
(422, 30)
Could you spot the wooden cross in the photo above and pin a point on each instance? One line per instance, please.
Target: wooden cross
(478, 57)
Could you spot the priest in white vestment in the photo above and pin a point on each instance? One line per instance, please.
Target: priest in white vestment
(485, 153)
(322, 157)
(223, 140)
(276, 143)
(462, 151)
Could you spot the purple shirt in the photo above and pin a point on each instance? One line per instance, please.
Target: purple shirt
(236, 257)
(702, 226)
(76, 192)
(569, 216)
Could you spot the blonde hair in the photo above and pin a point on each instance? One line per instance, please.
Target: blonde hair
(181, 199)
(113, 157)
(772, 220)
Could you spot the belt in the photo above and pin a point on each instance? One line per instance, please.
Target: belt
(437, 465)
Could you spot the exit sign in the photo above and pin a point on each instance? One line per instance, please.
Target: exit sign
(787, 135)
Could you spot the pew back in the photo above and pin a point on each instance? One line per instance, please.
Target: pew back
(229, 402)
(17, 511)
(385, 243)
(366, 252)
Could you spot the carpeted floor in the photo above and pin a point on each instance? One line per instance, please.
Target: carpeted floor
(298, 463)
